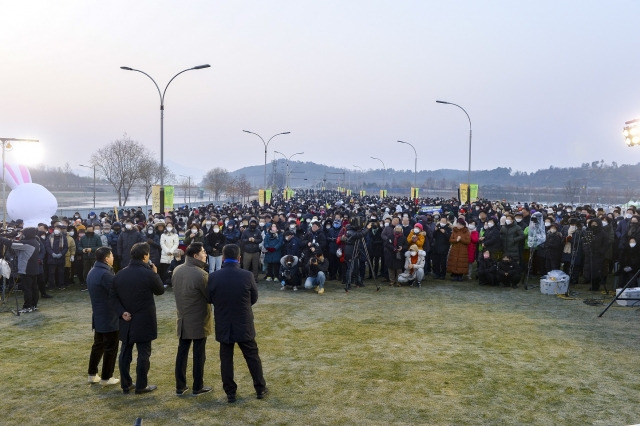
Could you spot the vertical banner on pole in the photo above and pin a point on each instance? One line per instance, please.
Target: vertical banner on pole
(261, 195)
(414, 193)
(348, 192)
(284, 194)
(383, 193)
(363, 193)
(168, 198)
(267, 196)
(155, 199)
(291, 193)
(463, 193)
(474, 191)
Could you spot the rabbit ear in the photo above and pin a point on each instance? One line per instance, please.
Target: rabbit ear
(15, 175)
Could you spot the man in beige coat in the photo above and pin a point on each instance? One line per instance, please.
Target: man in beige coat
(195, 321)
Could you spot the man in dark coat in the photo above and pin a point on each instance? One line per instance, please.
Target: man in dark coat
(189, 282)
(104, 320)
(132, 294)
(130, 236)
(56, 247)
(233, 291)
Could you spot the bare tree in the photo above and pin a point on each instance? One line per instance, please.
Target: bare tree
(150, 175)
(244, 188)
(572, 188)
(216, 181)
(119, 164)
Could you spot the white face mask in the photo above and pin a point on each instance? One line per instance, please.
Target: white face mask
(518, 220)
(572, 228)
(386, 224)
(261, 224)
(547, 224)
(472, 227)
(208, 222)
(216, 230)
(194, 231)
(56, 231)
(416, 230)
(605, 223)
(169, 228)
(150, 231)
(632, 245)
(226, 221)
(71, 233)
(553, 231)
(292, 227)
(628, 215)
(128, 226)
(508, 222)
(490, 225)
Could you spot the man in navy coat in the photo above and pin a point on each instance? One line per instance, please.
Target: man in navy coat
(233, 291)
(133, 290)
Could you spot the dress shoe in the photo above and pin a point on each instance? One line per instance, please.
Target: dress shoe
(204, 389)
(181, 392)
(148, 389)
(129, 388)
(231, 398)
(262, 393)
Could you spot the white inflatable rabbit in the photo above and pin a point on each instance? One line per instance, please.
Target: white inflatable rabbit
(31, 202)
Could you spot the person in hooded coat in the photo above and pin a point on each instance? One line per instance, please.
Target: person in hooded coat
(458, 260)
(595, 245)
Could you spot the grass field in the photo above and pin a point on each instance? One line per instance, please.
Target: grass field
(448, 353)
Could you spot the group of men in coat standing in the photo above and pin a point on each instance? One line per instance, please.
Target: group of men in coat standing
(124, 309)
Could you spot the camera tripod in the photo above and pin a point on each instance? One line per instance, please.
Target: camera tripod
(354, 264)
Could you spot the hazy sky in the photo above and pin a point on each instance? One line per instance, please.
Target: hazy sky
(545, 82)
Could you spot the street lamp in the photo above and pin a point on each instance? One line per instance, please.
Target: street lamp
(384, 169)
(415, 164)
(631, 132)
(188, 186)
(94, 182)
(6, 144)
(266, 144)
(288, 159)
(469, 169)
(359, 177)
(162, 94)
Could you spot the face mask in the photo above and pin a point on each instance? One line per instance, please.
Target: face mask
(386, 224)
(508, 222)
(416, 230)
(628, 215)
(128, 226)
(605, 223)
(169, 228)
(299, 215)
(518, 220)
(412, 253)
(328, 226)
(572, 228)
(553, 231)
(150, 231)
(71, 233)
(261, 224)
(490, 225)
(226, 221)
(472, 227)
(568, 210)
(443, 223)
(486, 255)
(547, 224)
(632, 245)
(208, 223)
(56, 231)
(230, 228)
(292, 227)
(194, 231)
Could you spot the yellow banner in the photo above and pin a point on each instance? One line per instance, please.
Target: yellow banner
(155, 199)
(383, 193)
(348, 192)
(464, 195)
(261, 197)
(268, 196)
(414, 192)
(363, 193)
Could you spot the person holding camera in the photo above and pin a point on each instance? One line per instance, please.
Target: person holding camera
(289, 272)
(316, 271)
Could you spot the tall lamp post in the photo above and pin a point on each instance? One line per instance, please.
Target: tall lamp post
(188, 185)
(94, 182)
(469, 169)
(359, 177)
(415, 164)
(288, 159)
(384, 169)
(162, 94)
(6, 144)
(266, 144)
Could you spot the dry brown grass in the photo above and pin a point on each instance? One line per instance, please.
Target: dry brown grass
(444, 354)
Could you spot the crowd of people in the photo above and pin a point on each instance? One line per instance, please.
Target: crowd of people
(215, 255)
(320, 236)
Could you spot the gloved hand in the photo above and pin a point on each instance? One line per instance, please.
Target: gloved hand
(627, 268)
(271, 249)
(71, 258)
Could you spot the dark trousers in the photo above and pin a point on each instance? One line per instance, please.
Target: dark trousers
(251, 262)
(56, 275)
(142, 367)
(199, 357)
(87, 264)
(272, 269)
(42, 284)
(105, 347)
(439, 264)
(250, 352)
(29, 284)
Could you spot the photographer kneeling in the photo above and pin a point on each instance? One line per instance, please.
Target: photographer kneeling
(316, 271)
(413, 266)
(289, 272)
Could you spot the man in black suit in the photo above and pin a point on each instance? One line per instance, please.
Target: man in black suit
(233, 291)
(133, 290)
